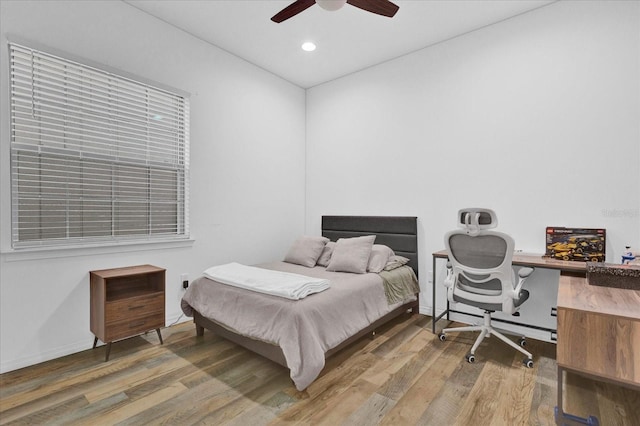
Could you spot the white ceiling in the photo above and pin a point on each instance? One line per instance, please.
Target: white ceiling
(348, 40)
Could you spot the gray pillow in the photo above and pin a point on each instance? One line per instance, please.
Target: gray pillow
(379, 257)
(326, 254)
(306, 250)
(351, 254)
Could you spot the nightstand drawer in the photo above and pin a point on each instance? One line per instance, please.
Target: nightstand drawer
(131, 327)
(134, 307)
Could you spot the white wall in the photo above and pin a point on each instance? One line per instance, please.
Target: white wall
(537, 117)
(247, 150)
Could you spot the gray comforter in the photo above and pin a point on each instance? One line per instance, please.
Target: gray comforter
(304, 329)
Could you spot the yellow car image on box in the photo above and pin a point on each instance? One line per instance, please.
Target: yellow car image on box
(562, 247)
(567, 255)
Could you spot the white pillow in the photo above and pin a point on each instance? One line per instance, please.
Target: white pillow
(306, 250)
(351, 254)
(326, 254)
(379, 257)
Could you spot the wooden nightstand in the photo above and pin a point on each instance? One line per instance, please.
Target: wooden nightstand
(126, 302)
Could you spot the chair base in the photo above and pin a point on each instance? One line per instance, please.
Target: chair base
(485, 331)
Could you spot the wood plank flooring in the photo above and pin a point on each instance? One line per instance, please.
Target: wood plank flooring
(403, 376)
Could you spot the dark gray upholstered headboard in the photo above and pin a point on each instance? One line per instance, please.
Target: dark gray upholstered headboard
(400, 233)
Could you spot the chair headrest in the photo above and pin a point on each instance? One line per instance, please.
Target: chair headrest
(473, 220)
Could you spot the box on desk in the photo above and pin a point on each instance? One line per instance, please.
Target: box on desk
(583, 244)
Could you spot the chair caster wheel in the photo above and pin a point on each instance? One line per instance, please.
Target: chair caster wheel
(593, 421)
(528, 362)
(442, 337)
(471, 358)
(522, 342)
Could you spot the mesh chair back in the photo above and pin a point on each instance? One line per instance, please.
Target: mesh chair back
(481, 264)
(482, 252)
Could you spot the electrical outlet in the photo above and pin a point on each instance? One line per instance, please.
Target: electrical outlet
(184, 279)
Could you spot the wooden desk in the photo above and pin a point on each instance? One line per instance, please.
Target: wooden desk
(519, 259)
(598, 335)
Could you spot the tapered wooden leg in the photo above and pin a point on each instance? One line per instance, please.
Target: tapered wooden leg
(107, 351)
(159, 335)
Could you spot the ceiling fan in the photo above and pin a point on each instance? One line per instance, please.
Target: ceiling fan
(380, 7)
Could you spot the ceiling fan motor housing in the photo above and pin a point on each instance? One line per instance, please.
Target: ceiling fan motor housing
(331, 4)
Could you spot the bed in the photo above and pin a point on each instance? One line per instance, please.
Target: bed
(286, 331)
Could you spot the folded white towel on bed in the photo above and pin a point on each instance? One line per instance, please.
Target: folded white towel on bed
(275, 283)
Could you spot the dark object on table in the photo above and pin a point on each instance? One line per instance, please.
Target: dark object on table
(611, 275)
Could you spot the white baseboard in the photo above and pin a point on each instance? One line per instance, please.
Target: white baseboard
(72, 348)
(176, 318)
(426, 310)
(61, 351)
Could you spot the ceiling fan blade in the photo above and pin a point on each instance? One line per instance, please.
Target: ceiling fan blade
(292, 10)
(380, 7)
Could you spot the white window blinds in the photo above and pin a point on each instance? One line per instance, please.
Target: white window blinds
(95, 157)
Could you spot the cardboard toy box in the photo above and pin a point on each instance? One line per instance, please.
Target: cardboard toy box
(581, 244)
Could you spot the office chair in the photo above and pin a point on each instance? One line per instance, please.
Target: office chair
(479, 273)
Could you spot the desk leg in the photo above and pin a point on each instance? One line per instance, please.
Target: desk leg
(433, 295)
(564, 419)
(433, 299)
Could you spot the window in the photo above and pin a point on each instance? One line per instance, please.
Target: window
(95, 157)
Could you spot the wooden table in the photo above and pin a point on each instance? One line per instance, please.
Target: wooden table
(519, 259)
(598, 336)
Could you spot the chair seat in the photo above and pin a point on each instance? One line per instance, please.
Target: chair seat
(494, 307)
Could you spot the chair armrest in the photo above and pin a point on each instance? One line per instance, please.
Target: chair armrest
(449, 279)
(525, 272)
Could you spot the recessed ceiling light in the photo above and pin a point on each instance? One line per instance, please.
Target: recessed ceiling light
(308, 46)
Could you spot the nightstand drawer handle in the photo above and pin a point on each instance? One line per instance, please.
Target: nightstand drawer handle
(131, 308)
(136, 324)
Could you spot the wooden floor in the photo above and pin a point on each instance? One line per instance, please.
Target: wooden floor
(404, 376)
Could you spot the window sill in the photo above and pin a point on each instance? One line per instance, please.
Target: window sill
(12, 255)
